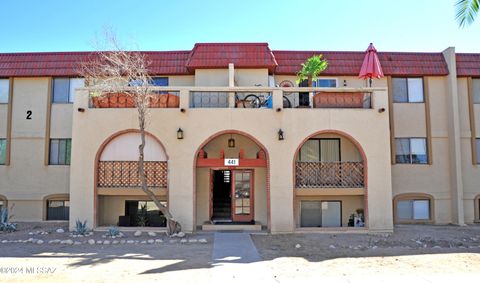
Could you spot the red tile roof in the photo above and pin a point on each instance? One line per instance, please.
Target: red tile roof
(68, 63)
(349, 63)
(242, 55)
(468, 64)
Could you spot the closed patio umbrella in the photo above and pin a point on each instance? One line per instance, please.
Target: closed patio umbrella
(371, 67)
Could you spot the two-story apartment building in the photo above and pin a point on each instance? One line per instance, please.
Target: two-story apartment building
(338, 155)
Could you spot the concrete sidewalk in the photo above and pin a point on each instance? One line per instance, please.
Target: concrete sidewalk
(235, 258)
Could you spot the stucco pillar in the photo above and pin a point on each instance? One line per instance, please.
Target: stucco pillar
(277, 99)
(456, 182)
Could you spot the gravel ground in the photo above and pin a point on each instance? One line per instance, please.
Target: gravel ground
(415, 253)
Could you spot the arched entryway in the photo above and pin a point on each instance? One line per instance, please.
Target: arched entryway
(330, 182)
(231, 173)
(119, 200)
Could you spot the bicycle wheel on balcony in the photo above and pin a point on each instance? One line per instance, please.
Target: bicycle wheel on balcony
(251, 101)
(286, 102)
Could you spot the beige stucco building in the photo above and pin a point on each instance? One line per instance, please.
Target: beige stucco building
(339, 155)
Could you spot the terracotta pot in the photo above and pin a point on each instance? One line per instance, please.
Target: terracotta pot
(95, 103)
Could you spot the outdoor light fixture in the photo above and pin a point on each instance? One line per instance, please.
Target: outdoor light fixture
(279, 109)
(182, 110)
(231, 141)
(280, 135)
(81, 109)
(381, 110)
(180, 134)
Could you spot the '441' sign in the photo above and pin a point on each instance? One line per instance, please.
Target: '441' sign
(231, 162)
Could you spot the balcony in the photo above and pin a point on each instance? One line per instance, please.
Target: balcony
(329, 175)
(124, 174)
(245, 97)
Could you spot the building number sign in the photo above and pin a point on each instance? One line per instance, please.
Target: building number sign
(231, 162)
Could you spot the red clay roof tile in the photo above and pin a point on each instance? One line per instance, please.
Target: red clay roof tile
(468, 64)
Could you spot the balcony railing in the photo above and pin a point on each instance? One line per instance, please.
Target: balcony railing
(245, 97)
(329, 175)
(124, 174)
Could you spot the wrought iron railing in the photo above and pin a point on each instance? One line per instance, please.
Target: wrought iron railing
(124, 174)
(329, 175)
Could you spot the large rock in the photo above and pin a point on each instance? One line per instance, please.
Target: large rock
(67, 242)
(137, 233)
(40, 242)
(60, 230)
(152, 234)
(91, 242)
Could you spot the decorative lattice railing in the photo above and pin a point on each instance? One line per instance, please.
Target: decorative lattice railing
(329, 175)
(123, 174)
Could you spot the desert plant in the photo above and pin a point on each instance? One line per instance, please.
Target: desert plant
(467, 11)
(113, 231)
(143, 216)
(80, 228)
(312, 67)
(5, 224)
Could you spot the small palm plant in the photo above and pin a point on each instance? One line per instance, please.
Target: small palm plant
(312, 67)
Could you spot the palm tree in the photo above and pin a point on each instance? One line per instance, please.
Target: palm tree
(312, 67)
(467, 11)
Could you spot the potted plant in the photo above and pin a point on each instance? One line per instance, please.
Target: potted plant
(311, 68)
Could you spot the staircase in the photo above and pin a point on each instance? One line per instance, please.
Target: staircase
(222, 210)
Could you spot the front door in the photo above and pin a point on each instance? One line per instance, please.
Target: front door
(242, 195)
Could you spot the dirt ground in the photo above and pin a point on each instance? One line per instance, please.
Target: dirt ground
(415, 253)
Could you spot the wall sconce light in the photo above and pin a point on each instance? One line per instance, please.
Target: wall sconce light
(180, 134)
(182, 110)
(231, 141)
(280, 135)
(81, 110)
(381, 110)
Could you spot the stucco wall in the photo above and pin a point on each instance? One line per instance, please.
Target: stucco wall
(199, 124)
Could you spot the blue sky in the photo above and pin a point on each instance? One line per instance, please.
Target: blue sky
(407, 25)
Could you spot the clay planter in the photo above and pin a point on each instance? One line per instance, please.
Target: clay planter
(338, 100)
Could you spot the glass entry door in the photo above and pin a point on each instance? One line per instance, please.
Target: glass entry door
(242, 195)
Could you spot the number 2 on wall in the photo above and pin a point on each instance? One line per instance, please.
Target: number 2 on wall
(29, 115)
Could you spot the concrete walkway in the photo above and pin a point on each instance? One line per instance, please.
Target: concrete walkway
(235, 259)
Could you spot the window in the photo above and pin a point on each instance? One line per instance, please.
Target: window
(407, 90)
(411, 150)
(64, 89)
(476, 91)
(144, 213)
(58, 209)
(320, 214)
(60, 150)
(4, 90)
(3, 151)
(320, 150)
(160, 81)
(325, 83)
(414, 209)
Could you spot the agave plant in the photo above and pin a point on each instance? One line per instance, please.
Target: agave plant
(5, 224)
(113, 231)
(80, 228)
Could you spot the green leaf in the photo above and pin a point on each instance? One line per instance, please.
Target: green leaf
(467, 11)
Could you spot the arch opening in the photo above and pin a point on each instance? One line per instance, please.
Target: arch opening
(119, 199)
(231, 181)
(330, 182)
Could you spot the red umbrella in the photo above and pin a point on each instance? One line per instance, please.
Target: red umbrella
(371, 67)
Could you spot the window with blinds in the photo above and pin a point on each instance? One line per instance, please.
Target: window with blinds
(320, 150)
